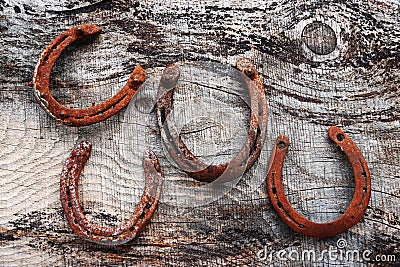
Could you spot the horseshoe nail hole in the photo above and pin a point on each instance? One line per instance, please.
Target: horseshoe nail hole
(281, 145)
(45, 58)
(364, 174)
(79, 31)
(279, 204)
(365, 188)
(352, 217)
(249, 72)
(274, 190)
(142, 215)
(163, 115)
(319, 38)
(340, 137)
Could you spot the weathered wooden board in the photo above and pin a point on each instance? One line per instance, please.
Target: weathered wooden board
(323, 63)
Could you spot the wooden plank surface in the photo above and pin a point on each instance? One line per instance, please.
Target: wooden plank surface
(323, 63)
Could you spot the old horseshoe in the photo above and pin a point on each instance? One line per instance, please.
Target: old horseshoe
(84, 116)
(249, 152)
(107, 235)
(296, 221)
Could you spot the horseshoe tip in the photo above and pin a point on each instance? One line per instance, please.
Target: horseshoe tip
(246, 66)
(85, 145)
(137, 77)
(283, 138)
(81, 152)
(150, 162)
(335, 132)
(138, 70)
(87, 29)
(149, 154)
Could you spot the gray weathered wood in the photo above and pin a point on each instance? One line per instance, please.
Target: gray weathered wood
(344, 73)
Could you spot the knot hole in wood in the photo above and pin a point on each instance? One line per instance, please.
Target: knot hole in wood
(319, 38)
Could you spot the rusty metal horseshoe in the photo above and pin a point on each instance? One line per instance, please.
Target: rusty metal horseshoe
(107, 235)
(249, 152)
(84, 116)
(296, 221)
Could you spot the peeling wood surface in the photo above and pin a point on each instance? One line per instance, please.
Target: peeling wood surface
(323, 63)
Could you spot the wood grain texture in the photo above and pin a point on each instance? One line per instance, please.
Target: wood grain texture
(356, 86)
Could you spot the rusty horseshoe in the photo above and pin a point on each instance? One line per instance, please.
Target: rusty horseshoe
(296, 221)
(249, 152)
(107, 235)
(84, 116)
